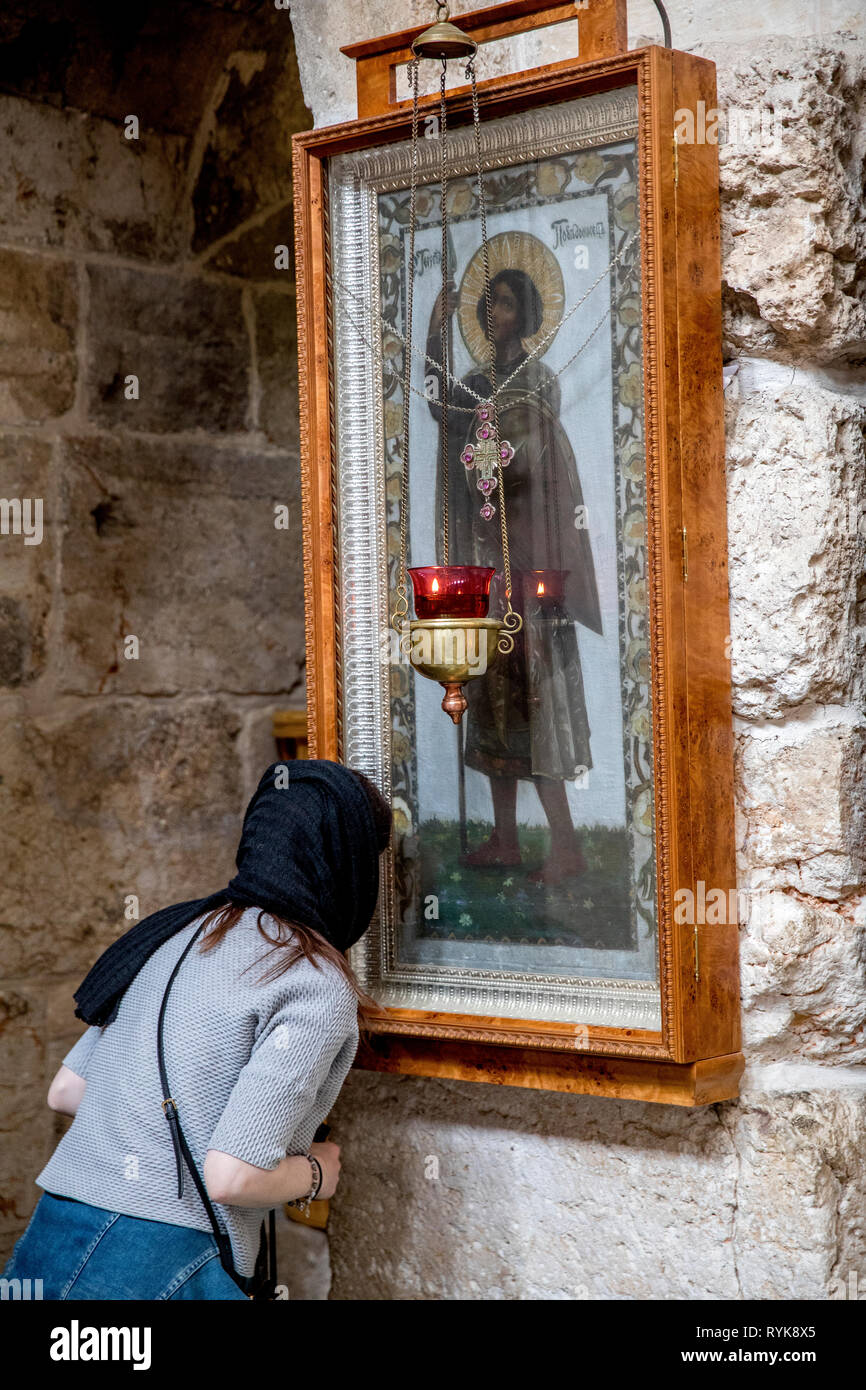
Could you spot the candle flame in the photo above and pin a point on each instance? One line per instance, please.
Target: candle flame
(435, 585)
(540, 589)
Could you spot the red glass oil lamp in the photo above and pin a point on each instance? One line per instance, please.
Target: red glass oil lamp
(451, 591)
(452, 639)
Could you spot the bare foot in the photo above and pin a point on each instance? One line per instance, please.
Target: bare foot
(491, 855)
(561, 866)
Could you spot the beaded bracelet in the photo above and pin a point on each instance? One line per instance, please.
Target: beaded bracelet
(303, 1203)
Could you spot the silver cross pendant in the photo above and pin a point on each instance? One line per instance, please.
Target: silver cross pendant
(486, 455)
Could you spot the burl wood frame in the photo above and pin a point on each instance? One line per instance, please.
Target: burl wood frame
(695, 1059)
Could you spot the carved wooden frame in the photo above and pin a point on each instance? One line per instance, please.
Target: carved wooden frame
(695, 1058)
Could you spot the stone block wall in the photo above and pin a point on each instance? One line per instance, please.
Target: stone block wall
(538, 1195)
(149, 257)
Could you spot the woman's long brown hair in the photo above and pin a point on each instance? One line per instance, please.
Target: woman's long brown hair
(293, 941)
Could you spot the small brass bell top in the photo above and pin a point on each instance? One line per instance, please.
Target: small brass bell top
(443, 39)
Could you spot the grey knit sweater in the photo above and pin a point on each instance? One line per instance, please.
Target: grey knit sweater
(254, 1069)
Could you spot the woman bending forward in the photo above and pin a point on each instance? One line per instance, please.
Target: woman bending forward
(260, 1030)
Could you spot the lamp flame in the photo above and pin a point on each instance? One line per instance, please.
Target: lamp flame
(540, 589)
(435, 585)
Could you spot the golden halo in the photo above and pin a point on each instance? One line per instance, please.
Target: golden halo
(511, 251)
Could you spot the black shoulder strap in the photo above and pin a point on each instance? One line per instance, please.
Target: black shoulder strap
(257, 1285)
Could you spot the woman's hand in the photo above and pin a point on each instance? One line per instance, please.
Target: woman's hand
(328, 1155)
(233, 1182)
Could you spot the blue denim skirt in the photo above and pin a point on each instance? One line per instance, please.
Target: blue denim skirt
(84, 1252)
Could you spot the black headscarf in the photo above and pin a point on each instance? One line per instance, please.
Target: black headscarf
(309, 853)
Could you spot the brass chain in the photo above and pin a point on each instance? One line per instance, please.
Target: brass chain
(401, 607)
(513, 622)
(444, 429)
